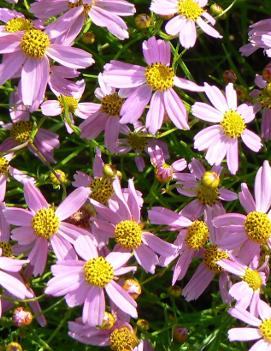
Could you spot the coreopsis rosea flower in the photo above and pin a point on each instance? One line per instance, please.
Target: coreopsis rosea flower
(43, 224)
(85, 281)
(222, 139)
(190, 15)
(153, 84)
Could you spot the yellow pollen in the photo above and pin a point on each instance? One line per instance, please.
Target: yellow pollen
(45, 223)
(21, 131)
(18, 24)
(123, 339)
(6, 249)
(197, 235)
(265, 330)
(207, 195)
(128, 234)
(210, 179)
(111, 104)
(34, 43)
(108, 321)
(253, 279)
(258, 227)
(4, 164)
(264, 98)
(137, 141)
(159, 77)
(101, 189)
(190, 9)
(233, 124)
(87, 7)
(98, 272)
(211, 256)
(68, 102)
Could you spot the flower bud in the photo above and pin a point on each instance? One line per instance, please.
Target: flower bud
(57, 177)
(14, 346)
(133, 287)
(175, 291)
(108, 321)
(180, 334)
(216, 10)
(210, 179)
(267, 73)
(88, 38)
(229, 76)
(143, 324)
(142, 21)
(21, 317)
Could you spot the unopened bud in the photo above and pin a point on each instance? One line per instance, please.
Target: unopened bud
(210, 179)
(180, 334)
(88, 38)
(57, 177)
(142, 21)
(267, 73)
(229, 76)
(216, 10)
(242, 93)
(175, 291)
(143, 324)
(14, 346)
(108, 321)
(109, 171)
(22, 317)
(133, 287)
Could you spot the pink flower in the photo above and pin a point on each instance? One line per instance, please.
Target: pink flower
(190, 13)
(222, 139)
(122, 221)
(204, 185)
(260, 327)
(59, 80)
(101, 12)
(152, 84)
(42, 223)
(246, 292)
(247, 232)
(28, 52)
(104, 116)
(84, 282)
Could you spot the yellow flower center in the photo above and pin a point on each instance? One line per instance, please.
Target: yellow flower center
(233, 124)
(111, 104)
(159, 77)
(189, 9)
(34, 43)
(45, 223)
(211, 256)
(137, 141)
(18, 24)
(4, 164)
(14, 346)
(108, 321)
(98, 272)
(6, 249)
(87, 7)
(265, 330)
(264, 97)
(68, 102)
(58, 177)
(258, 227)
(101, 189)
(197, 235)
(253, 279)
(21, 131)
(207, 189)
(128, 234)
(123, 339)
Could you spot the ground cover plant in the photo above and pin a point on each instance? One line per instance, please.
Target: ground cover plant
(135, 182)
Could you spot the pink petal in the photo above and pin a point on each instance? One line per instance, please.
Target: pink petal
(72, 203)
(175, 109)
(33, 197)
(262, 188)
(244, 334)
(18, 216)
(216, 97)
(244, 316)
(188, 34)
(206, 112)
(155, 115)
(85, 247)
(246, 199)
(252, 140)
(146, 258)
(232, 156)
(156, 50)
(208, 29)
(158, 245)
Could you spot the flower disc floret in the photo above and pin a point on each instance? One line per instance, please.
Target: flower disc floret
(45, 223)
(98, 272)
(101, 189)
(21, 131)
(123, 339)
(233, 124)
(109, 321)
(190, 9)
(4, 164)
(253, 279)
(128, 234)
(34, 43)
(6, 249)
(197, 235)
(265, 330)
(159, 77)
(69, 102)
(137, 141)
(258, 227)
(207, 195)
(18, 24)
(111, 104)
(211, 256)
(264, 97)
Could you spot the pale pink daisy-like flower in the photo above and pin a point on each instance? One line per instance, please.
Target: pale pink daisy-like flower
(205, 187)
(121, 220)
(104, 116)
(190, 14)
(10, 279)
(248, 232)
(258, 329)
(153, 84)
(163, 171)
(222, 139)
(43, 224)
(103, 13)
(70, 104)
(246, 292)
(85, 281)
(27, 54)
